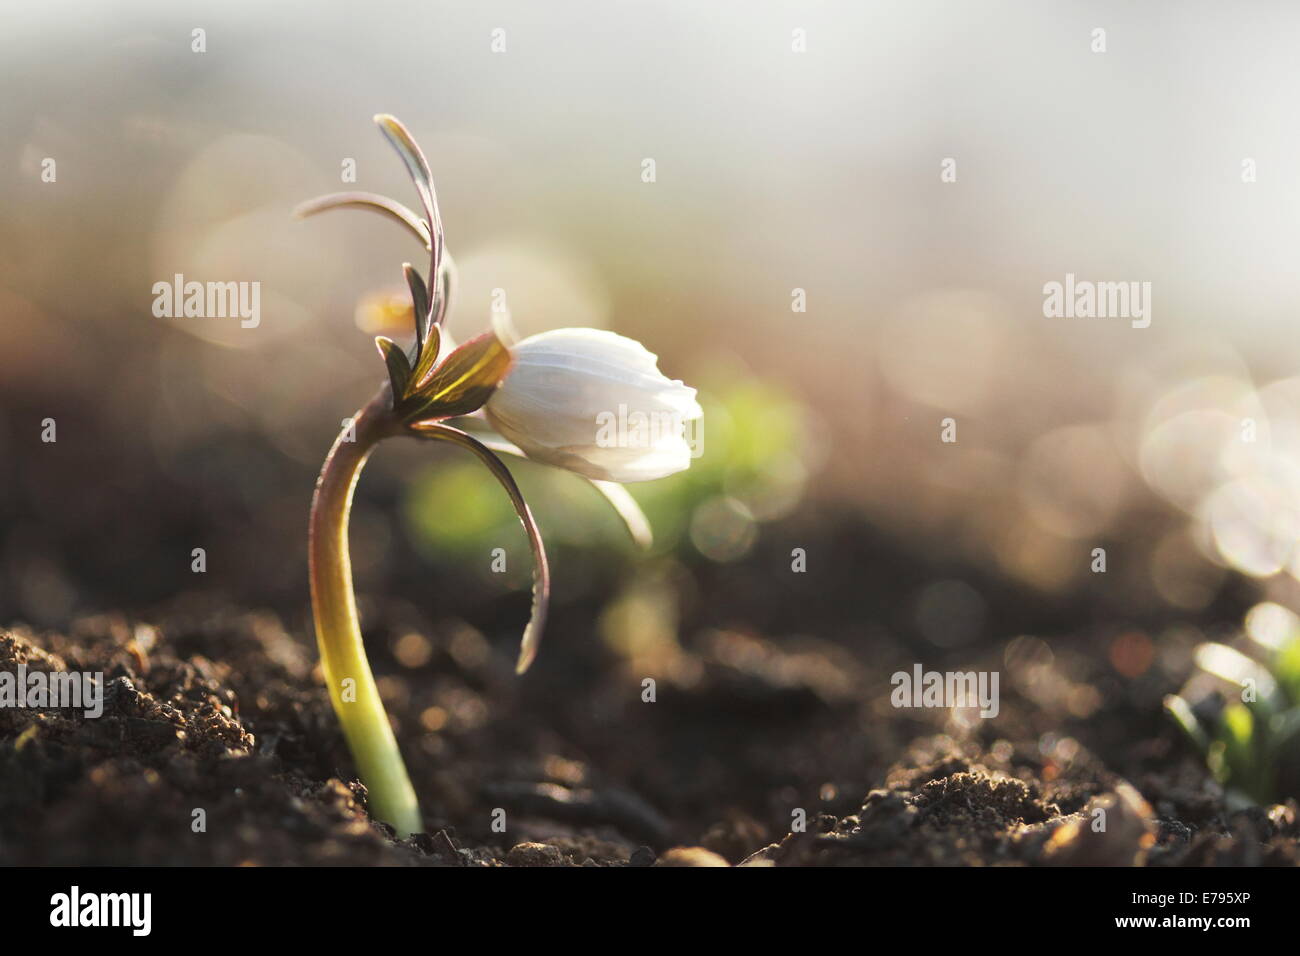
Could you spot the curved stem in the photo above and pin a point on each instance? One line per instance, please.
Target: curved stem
(351, 685)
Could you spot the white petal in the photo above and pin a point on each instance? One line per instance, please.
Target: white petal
(574, 398)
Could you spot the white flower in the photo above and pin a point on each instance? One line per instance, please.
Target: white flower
(596, 403)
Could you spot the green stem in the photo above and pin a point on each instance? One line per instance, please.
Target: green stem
(343, 656)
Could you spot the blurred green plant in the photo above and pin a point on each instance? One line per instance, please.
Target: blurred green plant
(1249, 735)
(753, 468)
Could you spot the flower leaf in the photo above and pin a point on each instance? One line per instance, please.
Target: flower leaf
(372, 201)
(427, 358)
(618, 497)
(420, 300)
(448, 278)
(462, 383)
(627, 508)
(541, 569)
(418, 167)
(399, 367)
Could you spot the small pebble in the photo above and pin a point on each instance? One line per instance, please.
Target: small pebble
(534, 854)
(690, 856)
(642, 856)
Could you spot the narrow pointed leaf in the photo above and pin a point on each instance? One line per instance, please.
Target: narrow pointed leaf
(1284, 736)
(541, 569)
(420, 300)
(448, 279)
(399, 368)
(619, 498)
(1236, 732)
(371, 201)
(1287, 668)
(627, 508)
(401, 140)
(504, 327)
(416, 165)
(1233, 667)
(462, 383)
(427, 359)
(1182, 714)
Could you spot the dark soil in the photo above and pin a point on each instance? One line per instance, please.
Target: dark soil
(750, 737)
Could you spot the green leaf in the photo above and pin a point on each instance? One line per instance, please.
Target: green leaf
(1235, 668)
(1284, 734)
(1215, 759)
(399, 368)
(1238, 725)
(1287, 669)
(427, 359)
(541, 569)
(462, 383)
(1240, 757)
(1182, 714)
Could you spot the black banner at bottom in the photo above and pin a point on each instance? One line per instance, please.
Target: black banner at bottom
(349, 905)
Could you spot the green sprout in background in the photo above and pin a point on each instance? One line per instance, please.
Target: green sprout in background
(756, 456)
(1242, 710)
(544, 398)
(753, 468)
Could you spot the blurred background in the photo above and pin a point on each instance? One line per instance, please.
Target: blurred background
(1175, 447)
